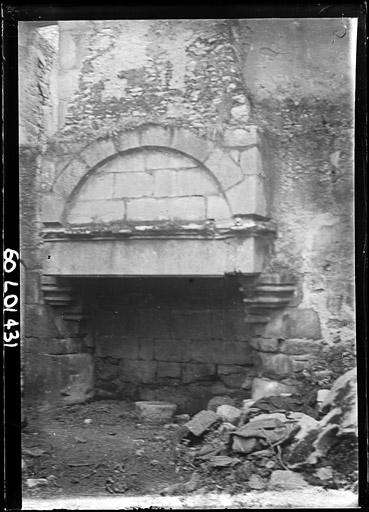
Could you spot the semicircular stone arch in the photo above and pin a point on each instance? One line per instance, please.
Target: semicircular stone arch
(147, 184)
(240, 187)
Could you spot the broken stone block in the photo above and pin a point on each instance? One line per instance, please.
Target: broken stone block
(338, 426)
(201, 422)
(216, 401)
(243, 445)
(256, 482)
(286, 402)
(222, 461)
(305, 424)
(259, 433)
(271, 415)
(262, 387)
(229, 414)
(284, 480)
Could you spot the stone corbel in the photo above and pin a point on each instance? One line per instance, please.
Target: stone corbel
(67, 306)
(55, 293)
(265, 293)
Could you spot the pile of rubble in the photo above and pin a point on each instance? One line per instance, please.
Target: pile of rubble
(273, 443)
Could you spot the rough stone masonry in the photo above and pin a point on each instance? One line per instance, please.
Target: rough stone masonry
(186, 205)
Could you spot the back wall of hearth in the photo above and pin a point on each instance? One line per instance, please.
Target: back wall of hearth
(175, 336)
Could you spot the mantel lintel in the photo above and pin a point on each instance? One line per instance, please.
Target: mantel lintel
(155, 257)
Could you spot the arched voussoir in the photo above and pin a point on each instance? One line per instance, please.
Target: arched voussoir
(227, 173)
(98, 151)
(166, 137)
(70, 177)
(192, 145)
(224, 168)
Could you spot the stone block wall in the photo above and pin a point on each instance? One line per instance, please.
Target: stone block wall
(52, 356)
(151, 334)
(287, 347)
(149, 185)
(57, 367)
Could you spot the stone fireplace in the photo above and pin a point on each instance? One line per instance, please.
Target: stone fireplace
(155, 241)
(160, 200)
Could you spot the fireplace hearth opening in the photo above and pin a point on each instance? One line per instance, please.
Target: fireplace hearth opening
(178, 339)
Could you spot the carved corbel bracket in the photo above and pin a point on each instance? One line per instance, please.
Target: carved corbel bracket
(265, 293)
(56, 294)
(61, 298)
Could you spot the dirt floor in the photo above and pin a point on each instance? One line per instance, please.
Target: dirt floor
(97, 449)
(101, 449)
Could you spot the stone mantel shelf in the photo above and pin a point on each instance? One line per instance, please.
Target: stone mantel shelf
(192, 230)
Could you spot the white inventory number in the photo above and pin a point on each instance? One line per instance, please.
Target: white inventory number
(11, 300)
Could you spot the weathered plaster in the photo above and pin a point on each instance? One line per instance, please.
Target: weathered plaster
(301, 89)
